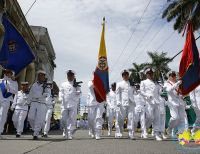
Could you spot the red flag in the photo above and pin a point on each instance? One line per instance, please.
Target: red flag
(189, 68)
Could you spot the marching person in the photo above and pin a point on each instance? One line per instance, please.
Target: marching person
(49, 105)
(195, 99)
(151, 93)
(38, 94)
(125, 106)
(95, 113)
(20, 105)
(111, 107)
(176, 104)
(69, 96)
(140, 110)
(8, 88)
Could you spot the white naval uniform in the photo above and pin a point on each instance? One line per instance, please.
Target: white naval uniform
(162, 108)
(20, 104)
(36, 115)
(111, 108)
(95, 112)
(140, 111)
(125, 108)
(195, 99)
(11, 87)
(69, 97)
(176, 106)
(49, 106)
(151, 91)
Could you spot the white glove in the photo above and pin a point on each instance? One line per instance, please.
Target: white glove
(187, 107)
(179, 82)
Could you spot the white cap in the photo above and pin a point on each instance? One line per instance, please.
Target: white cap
(148, 70)
(24, 83)
(124, 71)
(41, 72)
(170, 72)
(70, 72)
(49, 82)
(7, 69)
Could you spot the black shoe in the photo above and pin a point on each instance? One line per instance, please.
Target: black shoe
(45, 135)
(18, 136)
(35, 138)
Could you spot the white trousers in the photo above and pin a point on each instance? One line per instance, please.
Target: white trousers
(111, 115)
(68, 119)
(4, 106)
(121, 113)
(95, 120)
(140, 117)
(18, 120)
(178, 118)
(47, 121)
(36, 117)
(196, 125)
(153, 117)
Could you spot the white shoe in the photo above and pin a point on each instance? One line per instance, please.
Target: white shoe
(69, 136)
(158, 138)
(164, 137)
(97, 136)
(64, 133)
(118, 135)
(144, 136)
(152, 134)
(131, 135)
(109, 132)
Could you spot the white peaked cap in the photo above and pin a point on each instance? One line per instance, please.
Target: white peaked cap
(41, 72)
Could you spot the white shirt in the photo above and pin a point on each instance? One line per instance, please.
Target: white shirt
(124, 93)
(69, 95)
(37, 94)
(150, 91)
(21, 101)
(11, 87)
(173, 97)
(112, 100)
(91, 98)
(195, 97)
(50, 102)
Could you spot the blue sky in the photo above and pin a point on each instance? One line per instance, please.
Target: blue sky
(75, 29)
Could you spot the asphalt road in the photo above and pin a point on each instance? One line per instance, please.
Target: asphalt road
(82, 144)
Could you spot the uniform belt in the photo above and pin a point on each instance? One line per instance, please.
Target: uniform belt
(39, 102)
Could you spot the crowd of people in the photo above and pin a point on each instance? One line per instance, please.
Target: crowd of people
(134, 103)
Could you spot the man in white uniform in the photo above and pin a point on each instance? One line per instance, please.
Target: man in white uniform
(95, 113)
(125, 106)
(140, 110)
(38, 94)
(49, 104)
(195, 99)
(69, 96)
(111, 107)
(8, 88)
(175, 103)
(20, 105)
(151, 92)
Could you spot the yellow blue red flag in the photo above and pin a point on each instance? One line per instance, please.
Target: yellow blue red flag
(101, 78)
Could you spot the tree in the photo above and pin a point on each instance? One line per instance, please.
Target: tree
(181, 11)
(159, 63)
(135, 71)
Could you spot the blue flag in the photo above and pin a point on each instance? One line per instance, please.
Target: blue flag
(15, 53)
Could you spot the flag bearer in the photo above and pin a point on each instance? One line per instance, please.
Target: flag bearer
(151, 92)
(175, 103)
(125, 106)
(49, 104)
(69, 96)
(95, 113)
(20, 105)
(8, 88)
(111, 107)
(38, 94)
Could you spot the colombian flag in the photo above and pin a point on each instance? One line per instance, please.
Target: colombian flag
(101, 79)
(189, 69)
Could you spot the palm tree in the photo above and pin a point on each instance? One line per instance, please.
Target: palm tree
(135, 72)
(159, 63)
(181, 11)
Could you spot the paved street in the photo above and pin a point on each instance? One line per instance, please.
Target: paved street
(82, 144)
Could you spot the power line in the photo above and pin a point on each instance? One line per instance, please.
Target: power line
(123, 50)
